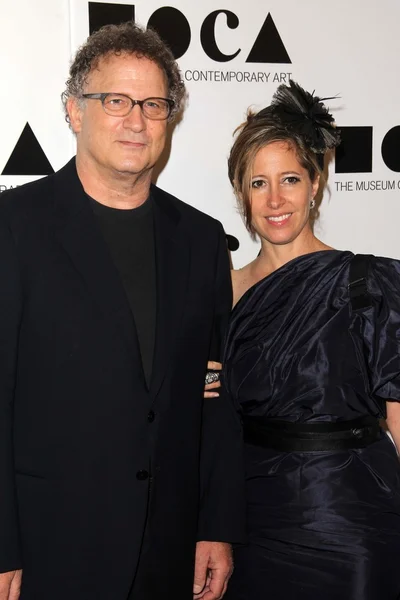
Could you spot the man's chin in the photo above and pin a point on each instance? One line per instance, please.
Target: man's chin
(133, 169)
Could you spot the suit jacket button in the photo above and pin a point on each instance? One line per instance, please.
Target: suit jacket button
(151, 416)
(142, 475)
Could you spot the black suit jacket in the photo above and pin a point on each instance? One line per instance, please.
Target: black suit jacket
(89, 459)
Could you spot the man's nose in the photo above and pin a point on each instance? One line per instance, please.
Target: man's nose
(135, 120)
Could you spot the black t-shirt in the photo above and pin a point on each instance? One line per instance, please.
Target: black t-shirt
(129, 235)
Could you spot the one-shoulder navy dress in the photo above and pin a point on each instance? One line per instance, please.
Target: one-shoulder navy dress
(323, 525)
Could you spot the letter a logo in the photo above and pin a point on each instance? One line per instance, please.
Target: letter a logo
(268, 47)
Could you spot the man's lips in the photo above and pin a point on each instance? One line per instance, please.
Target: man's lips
(132, 144)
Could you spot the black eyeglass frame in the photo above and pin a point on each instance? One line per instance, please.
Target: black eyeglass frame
(103, 95)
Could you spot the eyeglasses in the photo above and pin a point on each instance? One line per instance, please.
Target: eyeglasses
(120, 105)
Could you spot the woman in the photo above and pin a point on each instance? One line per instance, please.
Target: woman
(312, 361)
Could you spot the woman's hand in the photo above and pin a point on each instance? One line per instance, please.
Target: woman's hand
(210, 389)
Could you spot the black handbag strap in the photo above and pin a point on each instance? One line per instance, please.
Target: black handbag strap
(358, 290)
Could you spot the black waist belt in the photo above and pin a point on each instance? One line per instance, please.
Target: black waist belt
(286, 436)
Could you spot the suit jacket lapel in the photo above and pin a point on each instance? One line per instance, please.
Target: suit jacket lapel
(81, 238)
(172, 263)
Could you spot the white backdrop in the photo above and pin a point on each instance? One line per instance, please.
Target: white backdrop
(346, 48)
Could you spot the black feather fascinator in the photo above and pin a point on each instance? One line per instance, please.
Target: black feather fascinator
(305, 115)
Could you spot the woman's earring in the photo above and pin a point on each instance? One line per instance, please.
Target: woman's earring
(312, 204)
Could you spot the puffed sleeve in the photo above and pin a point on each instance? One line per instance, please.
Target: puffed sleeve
(379, 327)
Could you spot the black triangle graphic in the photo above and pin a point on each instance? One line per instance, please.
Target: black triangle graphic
(28, 158)
(268, 47)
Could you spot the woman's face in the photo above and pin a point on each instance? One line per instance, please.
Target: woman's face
(281, 192)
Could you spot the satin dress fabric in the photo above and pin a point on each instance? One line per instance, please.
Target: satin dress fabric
(321, 524)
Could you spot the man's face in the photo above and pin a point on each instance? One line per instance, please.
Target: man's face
(122, 146)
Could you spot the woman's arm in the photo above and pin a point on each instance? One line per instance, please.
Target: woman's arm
(393, 421)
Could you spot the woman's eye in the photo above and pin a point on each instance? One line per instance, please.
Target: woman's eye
(257, 183)
(292, 179)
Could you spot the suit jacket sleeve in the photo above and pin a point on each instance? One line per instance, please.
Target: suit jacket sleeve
(222, 508)
(10, 313)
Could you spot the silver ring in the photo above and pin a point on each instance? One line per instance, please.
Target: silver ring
(211, 377)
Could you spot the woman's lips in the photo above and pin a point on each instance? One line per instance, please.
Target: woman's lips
(279, 220)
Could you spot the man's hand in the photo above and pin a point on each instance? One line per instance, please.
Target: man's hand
(10, 585)
(213, 568)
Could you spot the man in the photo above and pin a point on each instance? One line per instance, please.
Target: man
(117, 479)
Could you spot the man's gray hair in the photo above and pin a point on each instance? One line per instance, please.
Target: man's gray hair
(127, 38)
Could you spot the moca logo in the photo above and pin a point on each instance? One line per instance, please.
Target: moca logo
(174, 28)
(354, 155)
(28, 157)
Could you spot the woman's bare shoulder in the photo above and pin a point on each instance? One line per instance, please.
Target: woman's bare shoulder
(239, 274)
(241, 281)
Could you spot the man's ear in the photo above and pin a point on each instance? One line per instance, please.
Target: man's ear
(75, 112)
